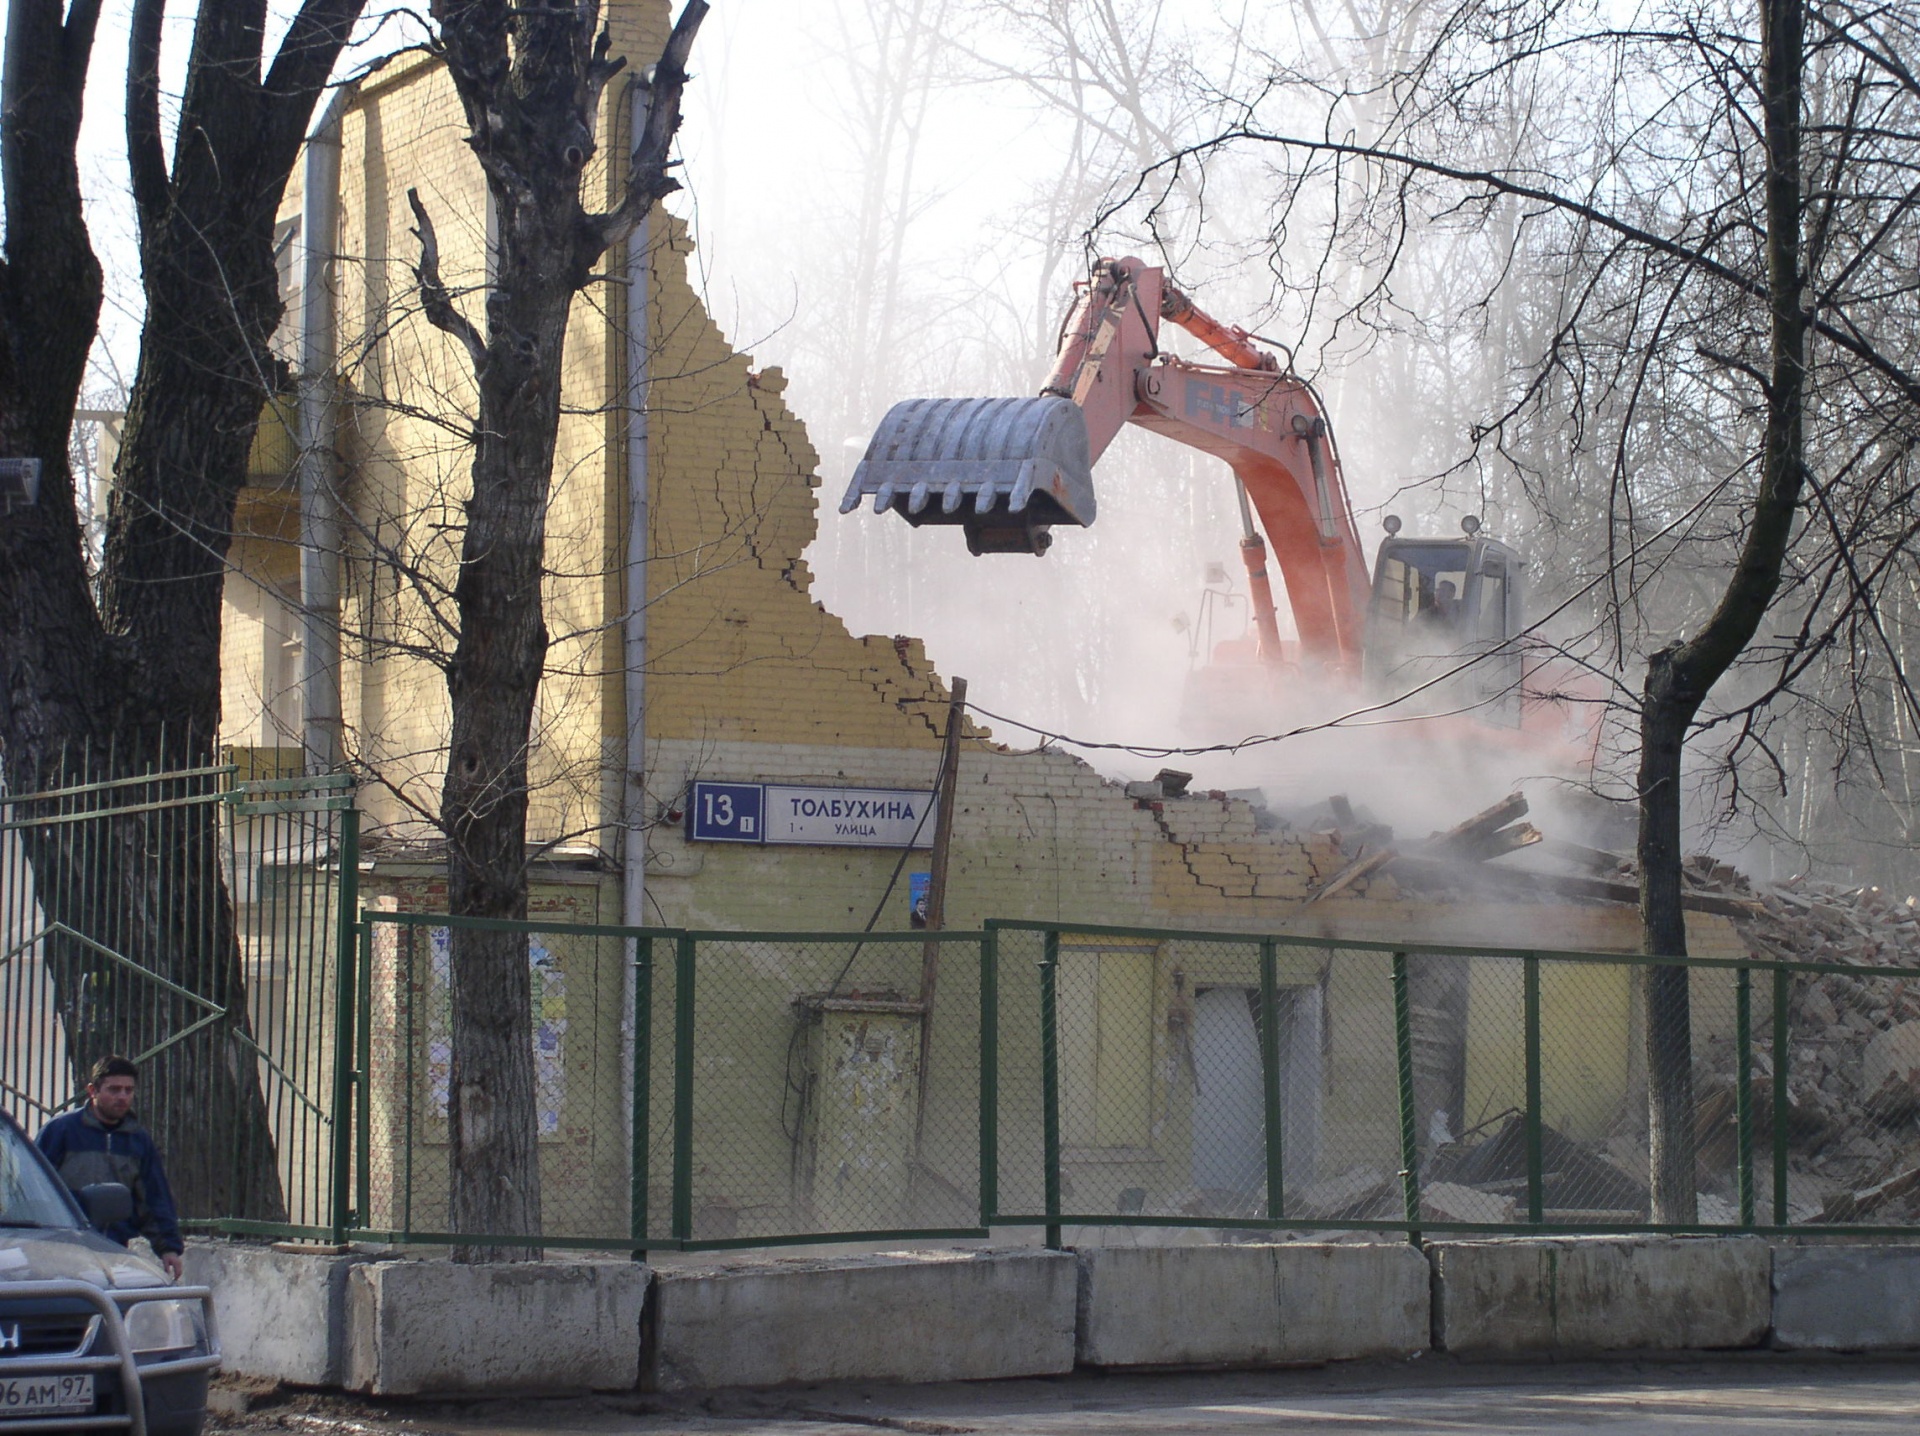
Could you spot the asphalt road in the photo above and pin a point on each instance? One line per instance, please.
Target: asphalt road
(1765, 1395)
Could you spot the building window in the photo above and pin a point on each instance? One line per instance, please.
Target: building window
(287, 255)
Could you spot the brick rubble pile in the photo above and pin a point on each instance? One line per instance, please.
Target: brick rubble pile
(1853, 1085)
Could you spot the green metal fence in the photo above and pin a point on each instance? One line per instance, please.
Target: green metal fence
(700, 1090)
(1256, 1083)
(772, 1088)
(692, 1090)
(1421, 1088)
(202, 924)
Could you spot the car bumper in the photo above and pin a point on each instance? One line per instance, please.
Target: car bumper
(109, 1357)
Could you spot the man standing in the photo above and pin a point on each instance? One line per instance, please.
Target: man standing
(104, 1142)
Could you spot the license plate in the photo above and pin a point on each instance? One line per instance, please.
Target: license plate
(37, 1395)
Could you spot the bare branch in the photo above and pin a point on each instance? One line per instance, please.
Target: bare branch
(1842, 333)
(146, 152)
(307, 55)
(436, 301)
(647, 179)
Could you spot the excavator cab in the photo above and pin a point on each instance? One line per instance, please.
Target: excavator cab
(1448, 609)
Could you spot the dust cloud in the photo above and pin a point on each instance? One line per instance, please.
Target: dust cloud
(876, 266)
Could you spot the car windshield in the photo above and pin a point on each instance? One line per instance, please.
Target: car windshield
(29, 1196)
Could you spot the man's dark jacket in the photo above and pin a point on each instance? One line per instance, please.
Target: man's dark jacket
(84, 1150)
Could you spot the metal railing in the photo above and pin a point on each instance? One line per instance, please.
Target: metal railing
(700, 1090)
(781, 1088)
(1250, 1082)
(202, 924)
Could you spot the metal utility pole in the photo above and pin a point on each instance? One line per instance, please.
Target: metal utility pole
(942, 840)
(937, 894)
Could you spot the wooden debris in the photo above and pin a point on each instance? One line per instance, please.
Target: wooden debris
(1173, 782)
(1465, 835)
(1528, 883)
(1353, 872)
(1506, 840)
(1851, 1206)
(1597, 861)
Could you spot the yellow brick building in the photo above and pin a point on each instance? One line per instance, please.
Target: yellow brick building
(748, 679)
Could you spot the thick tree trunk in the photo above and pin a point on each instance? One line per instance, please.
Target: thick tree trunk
(530, 80)
(492, 683)
(96, 686)
(1680, 676)
(50, 288)
(189, 427)
(1665, 712)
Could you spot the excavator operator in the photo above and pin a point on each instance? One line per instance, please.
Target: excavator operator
(1444, 606)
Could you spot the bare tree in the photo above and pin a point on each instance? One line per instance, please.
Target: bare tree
(1725, 343)
(530, 80)
(117, 671)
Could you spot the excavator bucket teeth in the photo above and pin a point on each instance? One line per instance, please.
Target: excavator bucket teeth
(1005, 470)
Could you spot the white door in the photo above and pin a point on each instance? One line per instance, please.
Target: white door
(1229, 1142)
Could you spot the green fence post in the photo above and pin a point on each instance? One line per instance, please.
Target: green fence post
(1409, 1124)
(683, 1088)
(1536, 1183)
(346, 987)
(1781, 1053)
(1270, 1076)
(1050, 1084)
(1743, 1092)
(362, 1082)
(409, 1024)
(642, 1090)
(989, 1075)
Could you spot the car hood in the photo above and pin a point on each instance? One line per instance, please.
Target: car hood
(43, 1254)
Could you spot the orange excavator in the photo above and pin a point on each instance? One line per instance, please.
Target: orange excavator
(1006, 471)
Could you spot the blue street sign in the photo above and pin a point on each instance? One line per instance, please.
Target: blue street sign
(815, 817)
(727, 813)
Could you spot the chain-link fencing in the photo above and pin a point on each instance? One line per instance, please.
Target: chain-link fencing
(823, 1087)
(690, 1089)
(709, 1089)
(1145, 1078)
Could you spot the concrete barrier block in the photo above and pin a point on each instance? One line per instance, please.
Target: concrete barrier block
(420, 1327)
(932, 1316)
(1250, 1305)
(1846, 1298)
(1600, 1294)
(282, 1311)
(1342, 1302)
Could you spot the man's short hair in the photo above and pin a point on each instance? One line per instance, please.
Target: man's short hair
(112, 1066)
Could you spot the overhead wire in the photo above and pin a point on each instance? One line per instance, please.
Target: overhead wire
(1359, 717)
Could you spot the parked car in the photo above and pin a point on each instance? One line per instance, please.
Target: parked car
(92, 1336)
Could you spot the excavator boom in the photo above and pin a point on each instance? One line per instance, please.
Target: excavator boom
(1007, 470)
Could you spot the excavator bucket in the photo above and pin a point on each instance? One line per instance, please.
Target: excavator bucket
(1005, 470)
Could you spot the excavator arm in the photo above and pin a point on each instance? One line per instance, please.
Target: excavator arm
(1008, 469)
